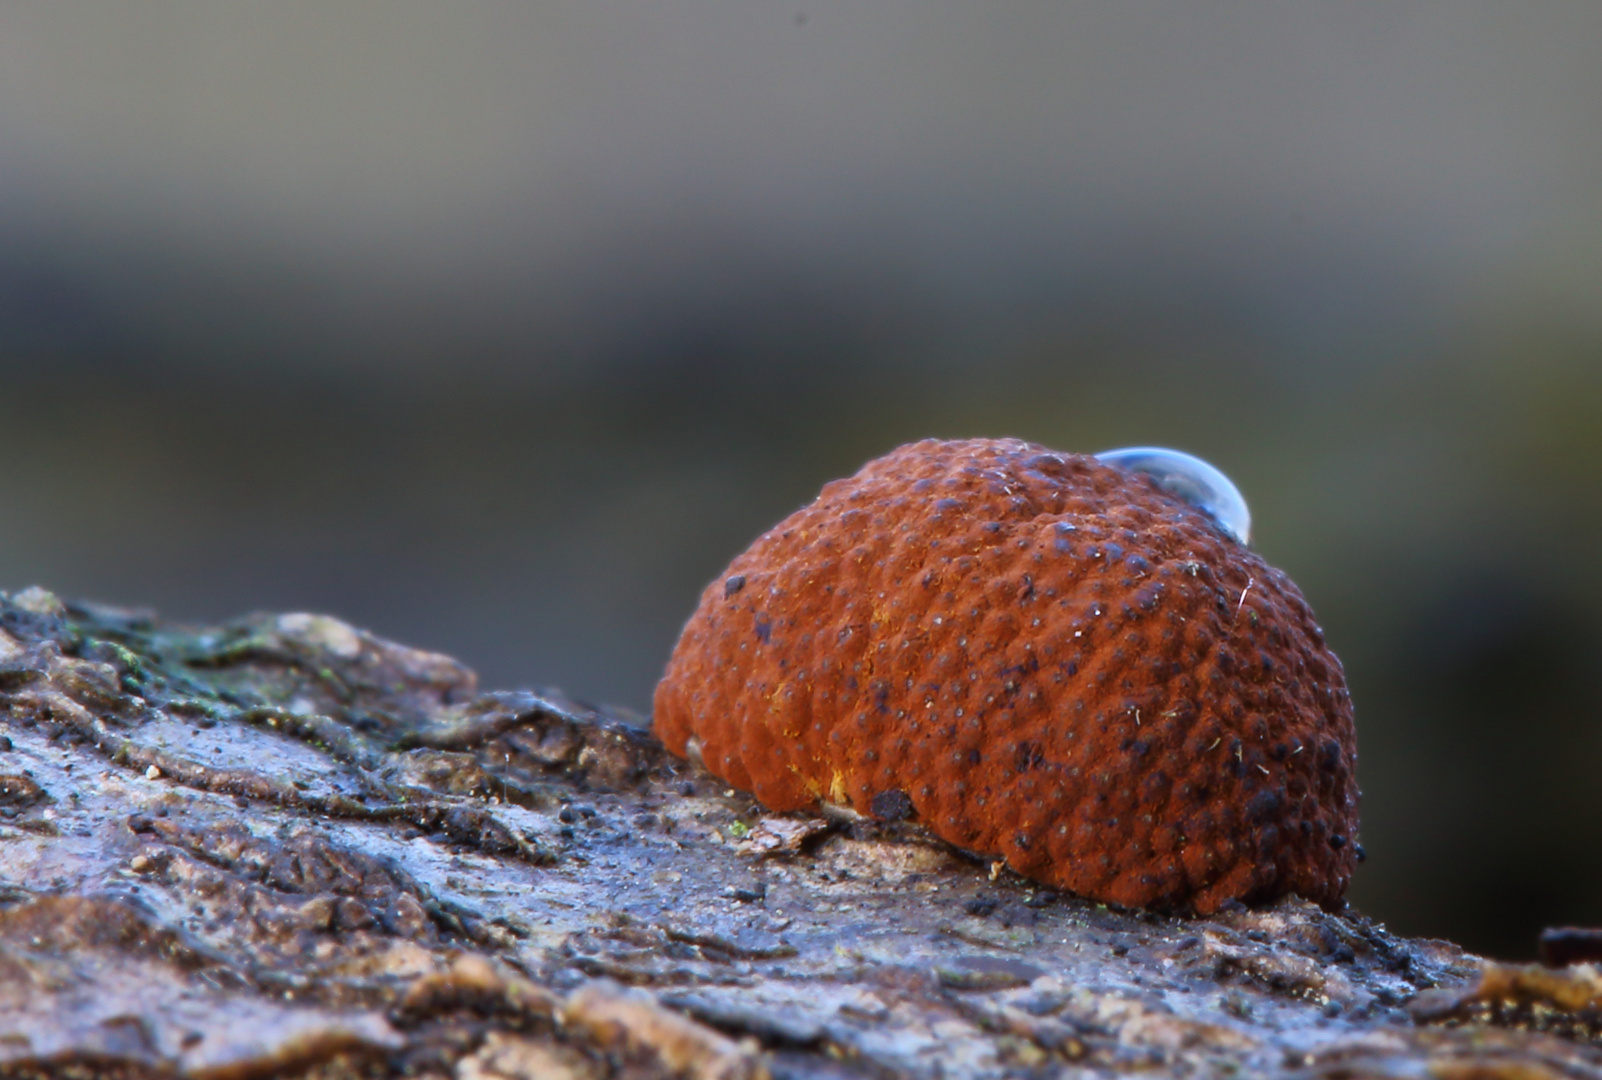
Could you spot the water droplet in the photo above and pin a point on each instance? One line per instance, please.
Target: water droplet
(1190, 478)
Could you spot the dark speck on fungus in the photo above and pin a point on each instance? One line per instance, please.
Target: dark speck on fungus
(1070, 663)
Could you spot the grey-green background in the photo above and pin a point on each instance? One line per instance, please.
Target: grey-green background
(499, 327)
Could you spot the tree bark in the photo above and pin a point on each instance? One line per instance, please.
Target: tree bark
(285, 847)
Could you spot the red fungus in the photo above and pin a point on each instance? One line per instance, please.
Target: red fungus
(1041, 658)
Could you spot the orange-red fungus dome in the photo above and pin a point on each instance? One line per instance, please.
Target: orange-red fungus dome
(1048, 660)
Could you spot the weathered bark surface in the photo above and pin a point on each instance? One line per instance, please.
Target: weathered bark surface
(284, 847)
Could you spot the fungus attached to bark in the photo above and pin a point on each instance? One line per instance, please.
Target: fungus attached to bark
(1044, 657)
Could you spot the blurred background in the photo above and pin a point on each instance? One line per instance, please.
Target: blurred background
(499, 328)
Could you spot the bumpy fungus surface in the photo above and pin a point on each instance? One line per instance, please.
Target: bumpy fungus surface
(1048, 660)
